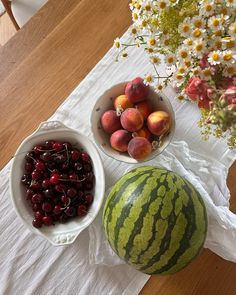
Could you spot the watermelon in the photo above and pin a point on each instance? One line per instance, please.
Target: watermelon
(155, 220)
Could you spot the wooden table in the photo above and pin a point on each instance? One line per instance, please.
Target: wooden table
(42, 64)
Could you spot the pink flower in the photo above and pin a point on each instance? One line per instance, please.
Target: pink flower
(198, 90)
(230, 95)
(203, 63)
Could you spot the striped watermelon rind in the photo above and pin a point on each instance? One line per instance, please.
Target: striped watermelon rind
(155, 220)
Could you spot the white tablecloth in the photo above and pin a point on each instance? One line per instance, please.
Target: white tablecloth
(31, 265)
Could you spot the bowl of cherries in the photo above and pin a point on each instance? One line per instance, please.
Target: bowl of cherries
(54, 182)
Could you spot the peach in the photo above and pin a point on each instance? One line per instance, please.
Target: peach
(145, 108)
(143, 132)
(119, 140)
(131, 119)
(123, 102)
(159, 122)
(139, 148)
(110, 121)
(136, 90)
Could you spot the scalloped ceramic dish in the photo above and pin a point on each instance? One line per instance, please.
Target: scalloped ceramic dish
(60, 234)
(105, 102)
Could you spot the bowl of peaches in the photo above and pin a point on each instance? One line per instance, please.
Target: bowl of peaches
(131, 122)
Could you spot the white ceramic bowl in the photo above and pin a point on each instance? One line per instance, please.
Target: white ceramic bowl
(60, 234)
(105, 102)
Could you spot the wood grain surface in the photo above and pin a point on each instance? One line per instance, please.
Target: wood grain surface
(39, 68)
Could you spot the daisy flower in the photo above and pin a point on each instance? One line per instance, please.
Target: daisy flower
(189, 42)
(214, 23)
(215, 57)
(117, 43)
(152, 41)
(134, 31)
(199, 47)
(170, 59)
(178, 78)
(165, 39)
(206, 74)
(196, 71)
(216, 43)
(228, 57)
(183, 53)
(207, 8)
(182, 96)
(162, 4)
(181, 69)
(229, 71)
(198, 22)
(230, 3)
(232, 29)
(185, 29)
(228, 43)
(187, 62)
(148, 79)
(198, 33)
(155, 60)
(159, 87)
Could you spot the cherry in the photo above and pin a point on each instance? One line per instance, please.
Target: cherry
(81, 210)
(88, 198)
(29, 157)
(29, 167)
(57, 209)
(47, 207)
(38, 149)
(46, 183)
(47, 220)
(57, 146)
(38, 215)
(40, 166)
(55, 179)
(48, 193)
(78, 166)
(64, 199)
(37, 223)
(46, 157)
(48, 144)
(60, 187)
(70, 211)
(36, 207)
(37, 198)
(75, 155)
(35, 185)
(85, 158)
(71, 192)
(73, 177)
(25, 179)
(36, 175)
(29, 193)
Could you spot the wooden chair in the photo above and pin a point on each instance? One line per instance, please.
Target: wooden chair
(20, 11)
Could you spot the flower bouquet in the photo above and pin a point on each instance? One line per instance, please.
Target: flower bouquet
(197, 40)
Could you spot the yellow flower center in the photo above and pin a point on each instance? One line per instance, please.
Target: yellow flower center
(179, 77)
(124, 54)
(152, 41)
(149, 78)
(134, 31)
(234, 29)
(148, 7)
(170, 59)
(155, 60)
(215, 56)
(196, 72)
(218, 44)
(135, 16)
(218, 33)
(197, 33)
(159, 87)
(208, 7)
(215, 22)
(207, 72)
(198, 23)
(183, 54)
(144, 23)
(162, 5)
(117, 44)
(137, 5)
(186, 28)
(180, 97)
(227, 56)
(166, 42)
(230, 70)
(190, 42)
(187, 63)
(224, 11)
(181, 70)
(150, 50)
(199, 47)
